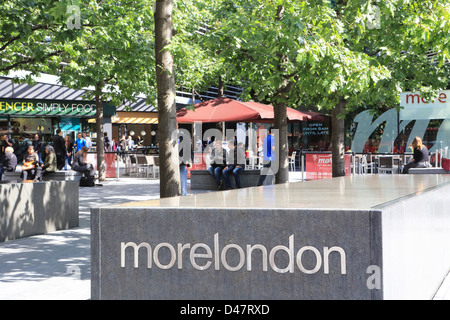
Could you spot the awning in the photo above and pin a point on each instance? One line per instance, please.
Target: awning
(266, 112)
(217, 110)
(228, 110)
(135, 118)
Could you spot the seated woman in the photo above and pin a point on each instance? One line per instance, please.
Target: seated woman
(420, 157)
(30, 161)
(80, 163)
(49, 164)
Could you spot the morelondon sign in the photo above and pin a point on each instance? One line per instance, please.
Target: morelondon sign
(277, 242)
(215, 253)
(202, 256)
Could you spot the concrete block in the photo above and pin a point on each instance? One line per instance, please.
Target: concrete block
(427, 171)
(61, 175)
(368, 237)
(203, 180)
(37, 208)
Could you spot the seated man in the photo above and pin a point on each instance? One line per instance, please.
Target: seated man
(49, 165)
(235, 163)
(9, 162)
(240, 163)
(218, 156)
(30, 161)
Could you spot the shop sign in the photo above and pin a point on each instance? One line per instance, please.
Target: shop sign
(19, 107)
(316, 129)
(416, 107)
(320, 165)
(415, 110)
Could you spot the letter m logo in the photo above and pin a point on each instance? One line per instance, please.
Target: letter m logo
(124, 246)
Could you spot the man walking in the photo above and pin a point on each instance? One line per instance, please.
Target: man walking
(268, 156)
(79, 143)
(60, 149)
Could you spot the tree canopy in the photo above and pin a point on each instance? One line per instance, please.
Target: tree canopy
(334, 55)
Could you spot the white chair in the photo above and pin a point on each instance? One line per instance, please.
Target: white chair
(130, 164)
(366, 166)
(292, 161)
(356, 164)
(152, 166)
(141, 165)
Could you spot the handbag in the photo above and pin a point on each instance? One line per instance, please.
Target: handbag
(28, 165)
(87, 181)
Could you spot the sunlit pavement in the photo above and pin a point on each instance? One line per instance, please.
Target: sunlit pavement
(57, 265)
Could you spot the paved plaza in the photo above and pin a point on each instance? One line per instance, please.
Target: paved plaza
(56, 266)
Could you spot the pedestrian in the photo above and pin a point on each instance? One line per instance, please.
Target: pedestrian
(37, 144)
(106, 142)
(240, 164)
(268, 156)
(4, 144)
(9, 163)
(231, 162)
(60, 148)
(420, 156)
(88, 141)
(115, 145)
(185, 161)
(130, 143)
(49, 165)
(81, 164)
(30, 161)
(79, 143)
(140, 141)
(218, 156)
(69, 150)
(123, 147)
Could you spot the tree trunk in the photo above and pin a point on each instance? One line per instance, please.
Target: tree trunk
(168, 146)
(99, 128)
(280, 116)
(280, 123)
(220, 88)
(337, 138)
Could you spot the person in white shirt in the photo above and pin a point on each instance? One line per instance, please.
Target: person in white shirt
(88, 141)
(130, 143)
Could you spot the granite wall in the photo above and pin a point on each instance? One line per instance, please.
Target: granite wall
(37, 208)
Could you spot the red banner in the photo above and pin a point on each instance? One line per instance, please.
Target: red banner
(319, 165)
(110, 163)
(198, 163)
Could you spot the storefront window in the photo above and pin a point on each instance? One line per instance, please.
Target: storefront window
(386, 133)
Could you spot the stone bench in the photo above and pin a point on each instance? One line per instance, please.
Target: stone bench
(61, 175)
(203, 180)
(427, 171)
(29, 209)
